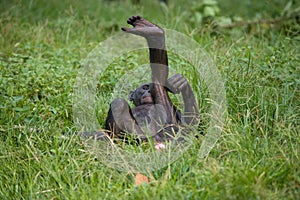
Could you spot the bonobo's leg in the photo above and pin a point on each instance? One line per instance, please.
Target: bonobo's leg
(120, 119)
(155, 37)
(179, 84)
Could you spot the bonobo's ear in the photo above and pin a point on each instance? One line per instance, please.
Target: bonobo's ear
(131, 95)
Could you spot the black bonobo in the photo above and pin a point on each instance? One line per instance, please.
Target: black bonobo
(154, 115)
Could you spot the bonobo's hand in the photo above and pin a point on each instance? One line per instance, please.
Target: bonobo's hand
(177, 83)
(143, 27)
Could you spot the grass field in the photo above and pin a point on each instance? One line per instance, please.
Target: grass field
(42, 45)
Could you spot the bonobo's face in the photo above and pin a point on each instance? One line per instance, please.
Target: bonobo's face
(141, 95)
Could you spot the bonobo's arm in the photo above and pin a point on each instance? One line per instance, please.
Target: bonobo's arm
(178, 84)
(155, 37)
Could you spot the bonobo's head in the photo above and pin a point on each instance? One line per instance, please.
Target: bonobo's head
(141, 95)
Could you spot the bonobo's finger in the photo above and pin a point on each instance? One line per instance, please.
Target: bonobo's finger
(182, 86)
(126, 29)
(179, 80)
(133, 19)
(171, 81)
(177, 83)
(180, 83)
(175, 78)
(133, 31)
(170, 86)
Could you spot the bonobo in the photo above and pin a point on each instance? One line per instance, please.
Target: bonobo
(154, 115)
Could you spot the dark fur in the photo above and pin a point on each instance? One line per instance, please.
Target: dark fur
(153, 109)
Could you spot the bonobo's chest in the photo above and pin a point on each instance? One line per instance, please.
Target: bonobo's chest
(142, 114)
(149, 113)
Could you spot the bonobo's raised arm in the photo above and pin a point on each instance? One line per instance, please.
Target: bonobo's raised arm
(155, 37)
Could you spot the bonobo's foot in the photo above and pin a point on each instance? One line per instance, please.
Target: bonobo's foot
(138, 21)
(143, 28)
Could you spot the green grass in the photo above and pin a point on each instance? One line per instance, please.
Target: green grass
(42, 44)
